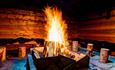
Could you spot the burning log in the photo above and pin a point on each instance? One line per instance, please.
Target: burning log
(52, 49)
(68, 44)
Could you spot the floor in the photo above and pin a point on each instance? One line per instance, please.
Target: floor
(31, 63)
(20, 64)
(13, 64)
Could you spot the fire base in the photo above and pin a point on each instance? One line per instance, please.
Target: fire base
(59, 63)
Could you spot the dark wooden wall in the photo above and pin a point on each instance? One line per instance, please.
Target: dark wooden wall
(72, 29)
(101, 29)
(15, 23)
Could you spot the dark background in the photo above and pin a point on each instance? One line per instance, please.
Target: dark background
(74, 9)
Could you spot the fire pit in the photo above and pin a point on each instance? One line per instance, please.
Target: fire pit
(60, 63)
(56, 55)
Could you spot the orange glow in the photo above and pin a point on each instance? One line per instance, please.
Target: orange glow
(56, 28)
(55, 25)
(57, 36)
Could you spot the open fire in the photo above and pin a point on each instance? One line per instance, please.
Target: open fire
(56, 29)
(57, 35)
(55, 53)
(55, 25)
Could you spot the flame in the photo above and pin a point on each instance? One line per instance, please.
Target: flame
(57, 35)
(55, 25)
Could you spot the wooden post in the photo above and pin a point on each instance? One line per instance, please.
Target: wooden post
(22, 52)
(3, 54)
(89, 49)
(75, 46)
(104, 55)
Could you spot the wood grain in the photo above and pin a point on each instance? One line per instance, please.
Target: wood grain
(99, 29)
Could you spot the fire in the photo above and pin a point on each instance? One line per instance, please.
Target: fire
(57, 36)
(56, 27)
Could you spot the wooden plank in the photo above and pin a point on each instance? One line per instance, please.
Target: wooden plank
(106, 31)
(22, 35)
(98, 27)
(98, 35)
(112, 53)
